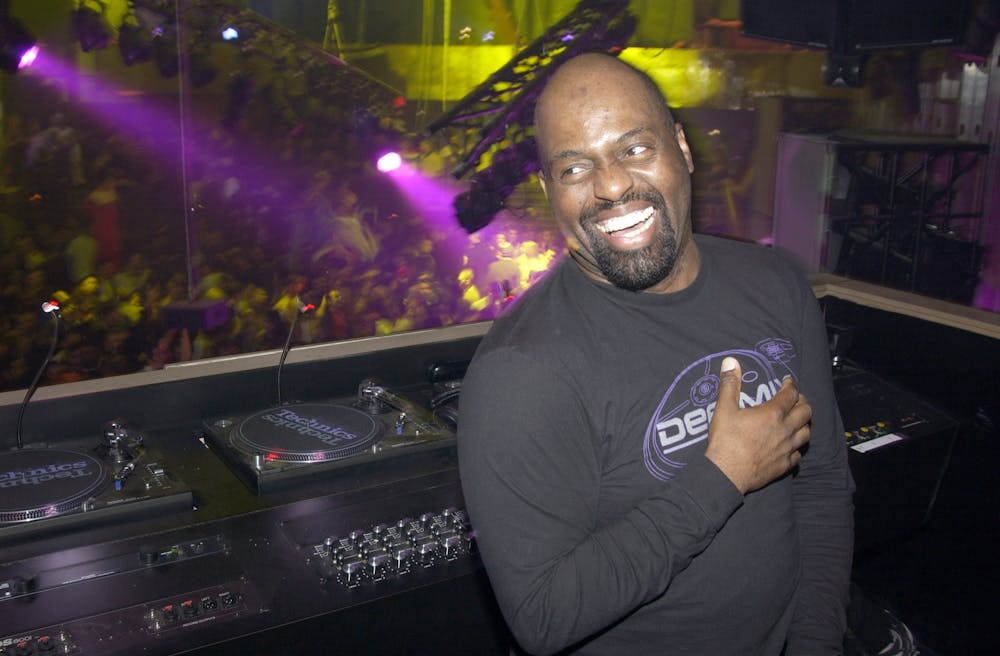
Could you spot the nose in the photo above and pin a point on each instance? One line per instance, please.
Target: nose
(612, 181)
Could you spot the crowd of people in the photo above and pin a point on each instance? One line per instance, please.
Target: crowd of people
(280, 229)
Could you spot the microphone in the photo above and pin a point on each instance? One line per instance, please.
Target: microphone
(303, 308)
(51, 308)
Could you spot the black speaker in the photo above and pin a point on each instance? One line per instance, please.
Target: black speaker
(810, 23)
(899, 24)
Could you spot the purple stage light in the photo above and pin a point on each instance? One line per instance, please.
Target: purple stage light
(17, 44)
(389, 162)
(28, 58)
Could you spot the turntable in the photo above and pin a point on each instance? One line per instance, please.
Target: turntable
(297, 442)
(45, 487)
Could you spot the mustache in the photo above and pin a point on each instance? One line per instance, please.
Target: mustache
(590, 212)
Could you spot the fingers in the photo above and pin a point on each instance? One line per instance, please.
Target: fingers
(788, 396)
(730, 377)
(800, 412)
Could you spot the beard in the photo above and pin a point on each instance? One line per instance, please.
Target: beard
(636, 269)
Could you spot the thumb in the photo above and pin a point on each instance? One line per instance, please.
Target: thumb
(730, 377)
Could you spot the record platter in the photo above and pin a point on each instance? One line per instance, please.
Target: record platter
(277, 446)
(44, 487)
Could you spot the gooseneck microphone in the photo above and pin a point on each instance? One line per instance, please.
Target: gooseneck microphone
(50, 308)
(303, 308)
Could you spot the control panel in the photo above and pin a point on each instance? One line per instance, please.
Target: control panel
(390, 550)
(899, 446)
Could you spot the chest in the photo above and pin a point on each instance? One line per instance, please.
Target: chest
(656, 385)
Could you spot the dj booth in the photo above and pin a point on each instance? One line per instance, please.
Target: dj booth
(186, 510)
(201, 509)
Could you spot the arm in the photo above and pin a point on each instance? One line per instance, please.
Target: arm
(822, 496)
(531, 475)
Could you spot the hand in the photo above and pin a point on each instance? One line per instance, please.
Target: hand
(756, 445)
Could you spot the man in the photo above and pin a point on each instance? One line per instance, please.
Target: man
(629, 494)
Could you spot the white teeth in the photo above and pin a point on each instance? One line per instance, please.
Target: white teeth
(625, 222)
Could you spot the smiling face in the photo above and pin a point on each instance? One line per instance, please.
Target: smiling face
(616, 170)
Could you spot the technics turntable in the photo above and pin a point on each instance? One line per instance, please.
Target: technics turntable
(294, 442)
(44, 487)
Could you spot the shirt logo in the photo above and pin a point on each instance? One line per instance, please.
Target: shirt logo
(681, 420)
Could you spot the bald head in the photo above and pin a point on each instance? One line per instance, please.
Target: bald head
(616, 170)
(596, 75)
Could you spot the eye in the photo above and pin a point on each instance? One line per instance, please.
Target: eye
(572, 171)
(637, 150)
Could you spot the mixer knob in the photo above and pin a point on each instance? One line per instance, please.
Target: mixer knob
(14, 586)
(401, 552)
(450, 542)
(148, 554)
(426, 518)
(356, 535)
(45, 645)
(377, 560)
(426, 547)
(230, 599)
(189, 608)
(169, 613)
(352, 568)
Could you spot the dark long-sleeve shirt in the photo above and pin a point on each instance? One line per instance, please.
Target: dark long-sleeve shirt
(602, 525)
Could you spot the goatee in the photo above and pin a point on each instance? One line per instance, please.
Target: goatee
(637, 269)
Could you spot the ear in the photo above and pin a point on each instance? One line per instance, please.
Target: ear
(683, 144)
(543, 183)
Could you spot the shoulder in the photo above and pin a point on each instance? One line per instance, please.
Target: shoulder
(738, 251)
(541, 334)
(749, 267)
(535, 316)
